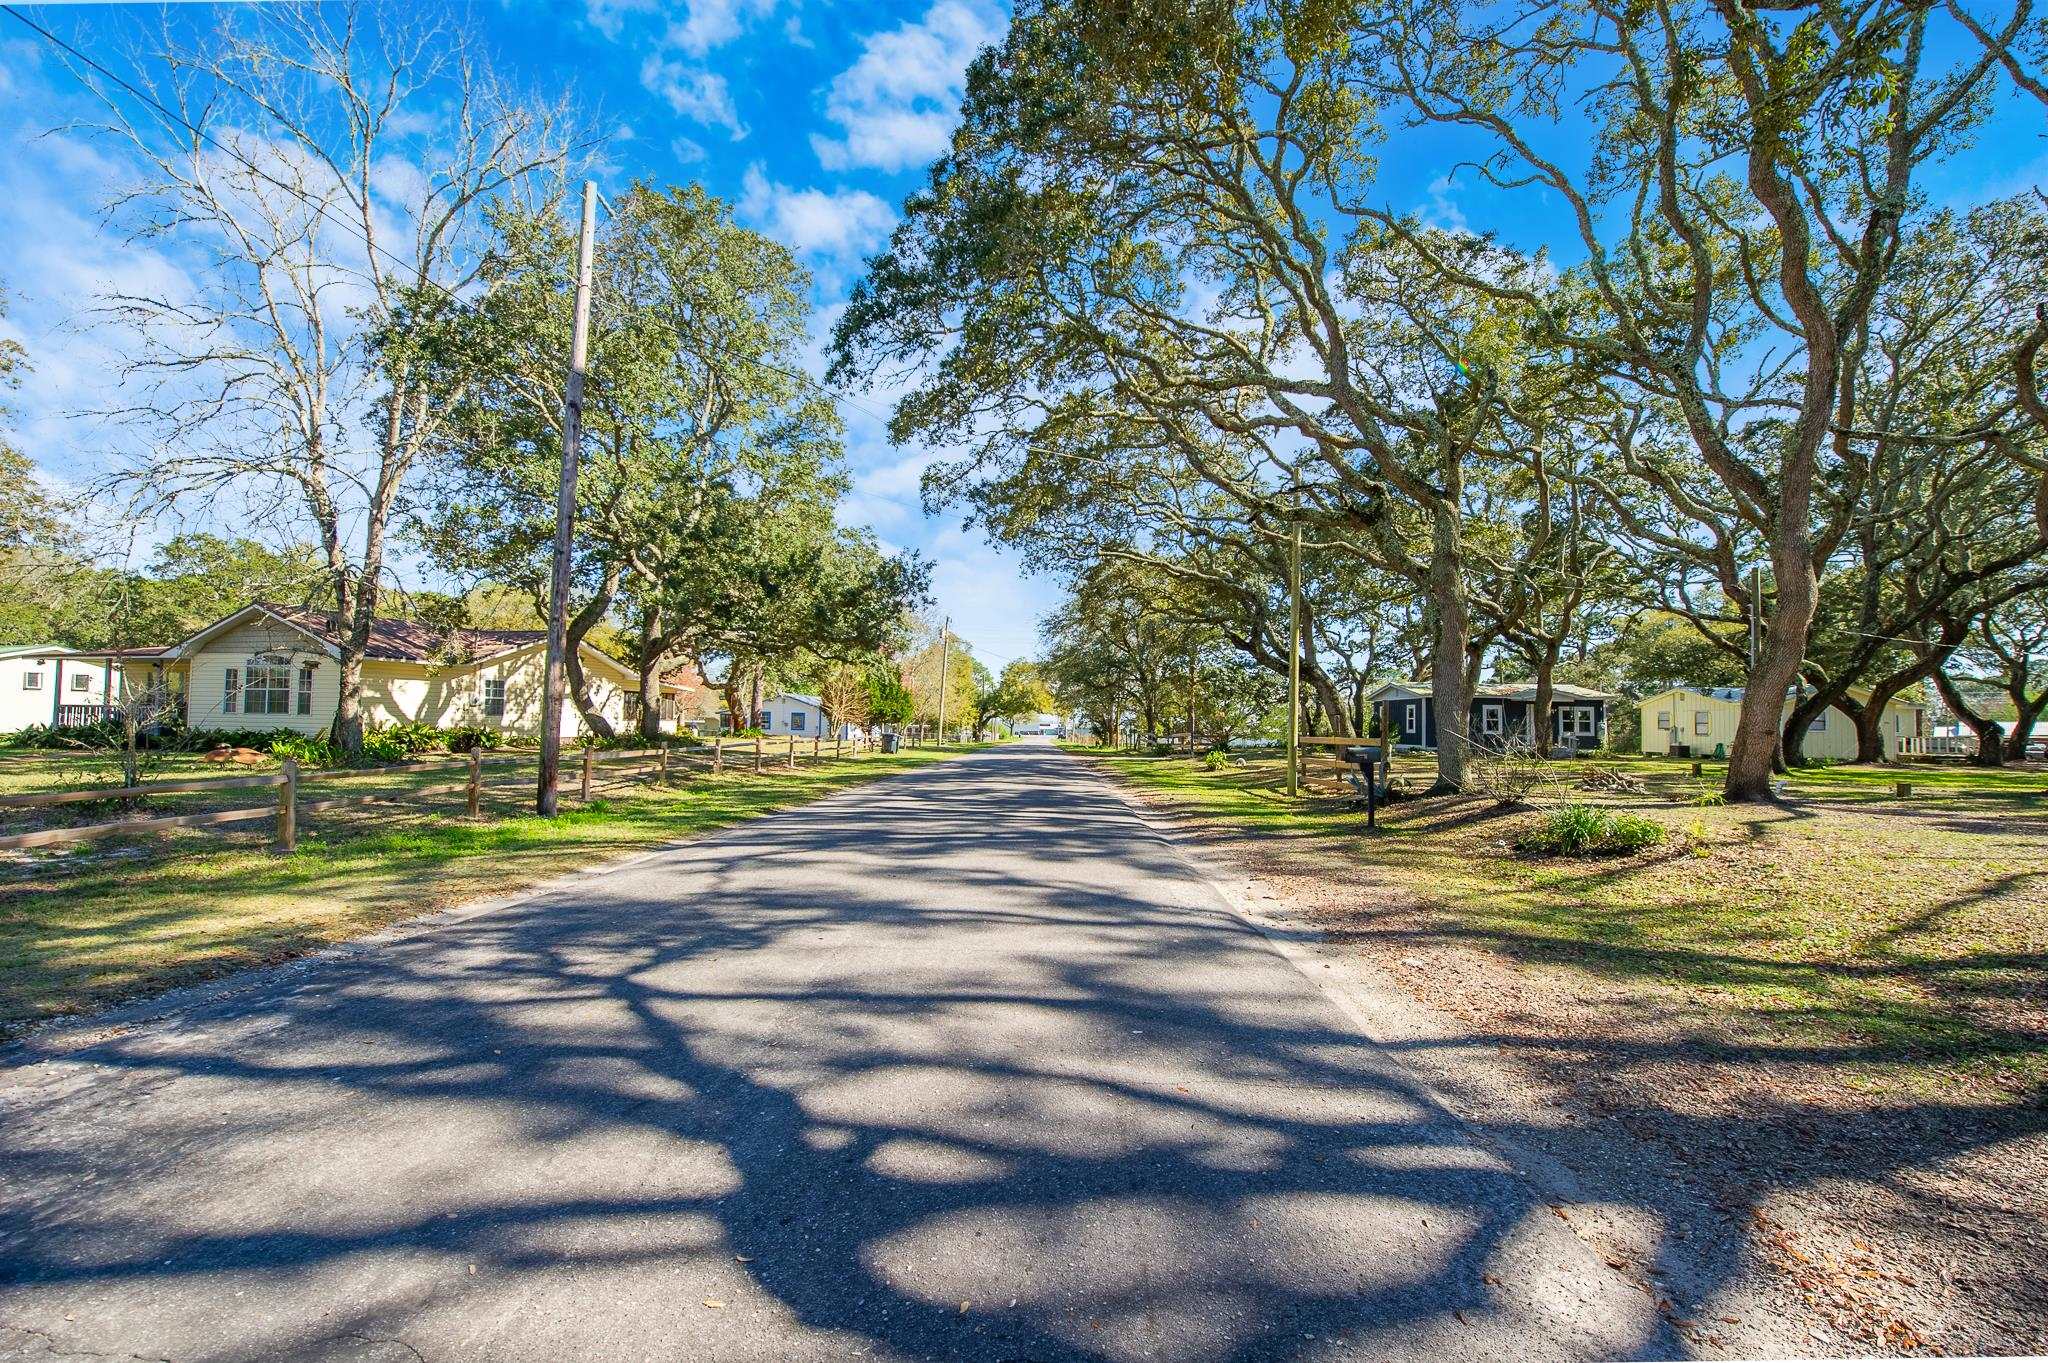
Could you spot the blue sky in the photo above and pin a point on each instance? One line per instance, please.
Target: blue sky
(815, 119)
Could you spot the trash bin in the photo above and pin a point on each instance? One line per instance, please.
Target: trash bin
(889, 742)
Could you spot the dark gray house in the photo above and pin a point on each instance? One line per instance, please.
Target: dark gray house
(1500, 712)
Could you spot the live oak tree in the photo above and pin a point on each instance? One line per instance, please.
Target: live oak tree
(1751, 173)
(710, 469)
(1149, 221)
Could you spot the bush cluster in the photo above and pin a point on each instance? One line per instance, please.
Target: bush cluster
(1590, 831)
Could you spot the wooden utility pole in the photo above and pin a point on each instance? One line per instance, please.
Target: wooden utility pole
(547, 799)
(1294, 665)
(945, 665)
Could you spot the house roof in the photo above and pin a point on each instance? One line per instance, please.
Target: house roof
(811, 701)
(1496, 691)
(60, 651)
(405, 641)
(1733, 694)
(409, 641)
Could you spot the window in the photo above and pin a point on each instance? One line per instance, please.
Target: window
(267, 687)
(231, 691)
(1490, 717)
(1663, 719)
(306, 689)
(1579, 720)
(1412, 723)
(81, 681)
(1820, 722)
(31, 681)
(494, 697)
(796, 721)
(1701, 723)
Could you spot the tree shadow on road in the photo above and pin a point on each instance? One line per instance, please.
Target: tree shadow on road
(927, 1071)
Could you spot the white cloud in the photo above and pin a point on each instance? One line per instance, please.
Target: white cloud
(693, 92)
(713, 23)
(897, 104)
(834, 226)
(686, 149)
(609, 16)
(1442, 211)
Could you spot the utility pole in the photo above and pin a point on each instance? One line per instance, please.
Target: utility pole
(556, 684)
(945, 663)
(1294, 664)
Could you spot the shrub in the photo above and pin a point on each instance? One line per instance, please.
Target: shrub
(1218, 760)
(305, 748)
(385, 747)
(104, 734)
(471, 736)
(1590, 831)
(413, 736)
(1709, 799)
(1507, 773)
(206, 740)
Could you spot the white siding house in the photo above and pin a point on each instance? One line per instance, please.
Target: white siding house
(1701, 721)
(791, 712)
(38, 682)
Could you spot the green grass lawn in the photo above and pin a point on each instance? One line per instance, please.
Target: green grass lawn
(105, 922)
(1910, 937)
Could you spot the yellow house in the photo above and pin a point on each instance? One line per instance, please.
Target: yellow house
(1701, 722)
(269, 666)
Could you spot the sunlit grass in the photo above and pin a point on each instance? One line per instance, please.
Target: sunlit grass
(81, 931)
(1910, 935)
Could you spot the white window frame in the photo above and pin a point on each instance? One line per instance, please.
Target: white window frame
(1583, 723)
(494, 697)
(1664, 721)
(1702, 724)
(1493, 718)
(270, 678)
(81, 681)
(1411, 719)
(796, 721)
(303, 699)
(32, 680)
(1820, 723)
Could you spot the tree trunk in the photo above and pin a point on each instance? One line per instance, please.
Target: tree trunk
(1755, 755)
(1990, 733)
(2023, 727)
(1540, 722)
(653, 656)
(1450, 692)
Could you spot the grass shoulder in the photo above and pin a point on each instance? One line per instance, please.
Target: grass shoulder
(110, 922)
(1905, 938)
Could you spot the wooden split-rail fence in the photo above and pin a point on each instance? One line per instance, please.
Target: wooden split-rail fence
(294, 785)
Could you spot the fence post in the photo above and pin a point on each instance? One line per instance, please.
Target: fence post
(817, 746)
(790, 760)
(760, 742)
(476, 783)
(717, 756)
(839, 745)
(662, 761)
(589, 756)
(288, 807)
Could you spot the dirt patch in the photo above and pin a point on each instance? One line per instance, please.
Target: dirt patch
(1912, 1222)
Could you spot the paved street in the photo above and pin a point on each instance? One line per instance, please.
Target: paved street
(964, 1064)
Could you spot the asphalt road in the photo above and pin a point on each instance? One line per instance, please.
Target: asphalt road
(968, 1063)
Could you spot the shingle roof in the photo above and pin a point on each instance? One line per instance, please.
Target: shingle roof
(409, 641)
